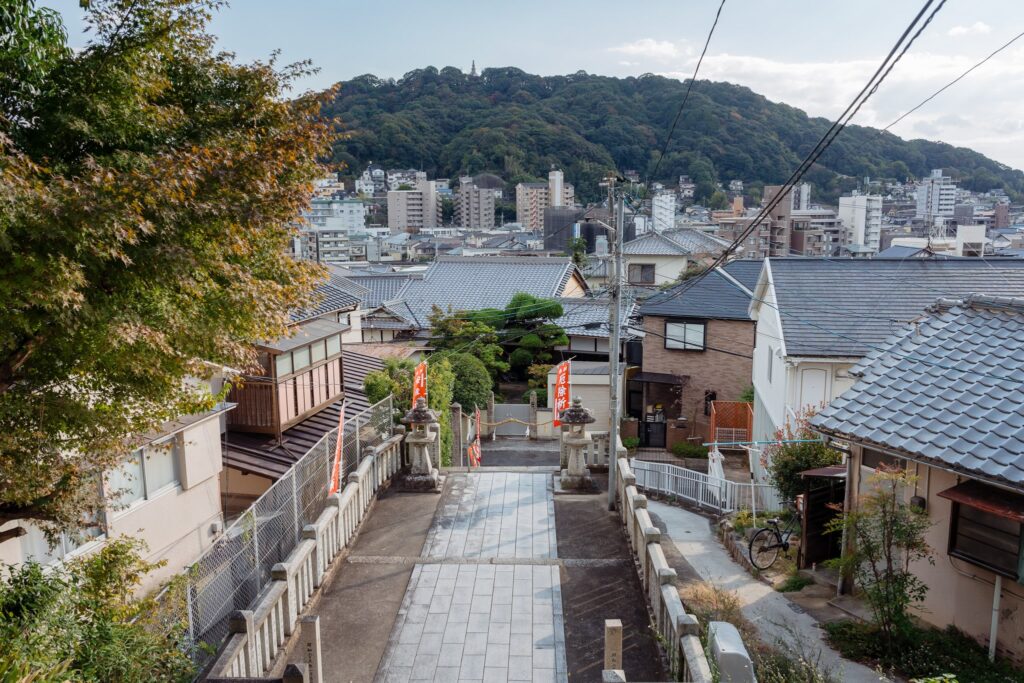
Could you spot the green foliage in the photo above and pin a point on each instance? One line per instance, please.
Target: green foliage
(578, 250)
(148, 185)
(887, 537)
(926, 654)
(472, 383)
(748, 394)
(396, 379)
(528, 331)
(517, 125)
(440, 387)
(785, 461)
(469, 332)
(631, 443)
(794, 583)
(80, 617)
(685, 449)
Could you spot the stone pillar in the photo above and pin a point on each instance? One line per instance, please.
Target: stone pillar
(612, 644)
(490, 416)
(311, 654)
(575, 441)
(457, 445)
(533, 415)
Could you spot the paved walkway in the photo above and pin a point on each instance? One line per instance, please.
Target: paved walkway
(485, 603)
(769, 611)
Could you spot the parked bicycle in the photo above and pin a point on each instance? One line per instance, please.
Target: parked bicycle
(766, 543)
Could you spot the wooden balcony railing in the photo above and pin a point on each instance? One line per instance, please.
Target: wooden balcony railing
(731, 421)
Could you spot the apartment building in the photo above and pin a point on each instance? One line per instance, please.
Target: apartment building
(861, 218)
(663, 211)
(815, 232)
(474, 206)
(336, 215)
(936, 197)
(533, 198)
(411, 210)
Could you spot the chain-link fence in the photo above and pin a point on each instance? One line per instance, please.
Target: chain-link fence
(230, 575)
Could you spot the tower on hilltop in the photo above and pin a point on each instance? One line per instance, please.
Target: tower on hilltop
(472, 70)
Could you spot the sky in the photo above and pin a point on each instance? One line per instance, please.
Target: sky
(812, 54)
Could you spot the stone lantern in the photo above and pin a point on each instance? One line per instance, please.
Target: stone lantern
(420, 441)
(576, 417)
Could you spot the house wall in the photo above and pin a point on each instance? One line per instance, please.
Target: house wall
(176, 525)
(710, 370)
(666, 268)
(959, 593)
(575, 287)
(593, 390)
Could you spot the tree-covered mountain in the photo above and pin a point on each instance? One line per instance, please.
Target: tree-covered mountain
(518, 125)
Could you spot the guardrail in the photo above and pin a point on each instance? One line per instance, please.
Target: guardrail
(721, 495)
(257, 635)
(678, 630)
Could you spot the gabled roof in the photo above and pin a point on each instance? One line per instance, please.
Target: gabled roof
(946, 392)
(899, 251)
(654, 244)
(261, 454)
(713, 297)
(380, 287)
(697, 241)
(471, 283)
(836, 307)
(330, 299)
(587, 317)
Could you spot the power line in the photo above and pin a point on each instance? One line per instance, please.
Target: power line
(954, 81)
(890, 61)
(686, 95)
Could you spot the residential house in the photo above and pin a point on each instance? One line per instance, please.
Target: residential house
(817, 318)
(167, 494)
(658, 258)
(698, 343)
(941, 398)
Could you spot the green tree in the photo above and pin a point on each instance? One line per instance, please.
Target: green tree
(795, 449)
(471, 333)
(718, 201)
(472, 386)
(148, 182)
(578, 249)
(80, 617)
(447, 210)
(529, 332)
(887, 537)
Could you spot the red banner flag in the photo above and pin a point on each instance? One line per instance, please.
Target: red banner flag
(336, 470)
(562, 389)
(419, 383)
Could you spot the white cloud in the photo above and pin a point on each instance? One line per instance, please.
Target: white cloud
(977, 28)
(649, 48)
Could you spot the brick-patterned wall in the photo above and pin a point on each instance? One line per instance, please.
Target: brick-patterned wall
(709, 370)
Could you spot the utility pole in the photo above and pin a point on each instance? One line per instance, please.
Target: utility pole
(615, 323)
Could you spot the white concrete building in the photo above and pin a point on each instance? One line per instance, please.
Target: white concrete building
(336, 215)
(861, 217)
(936, 197)
(663, 211)
(533, 198)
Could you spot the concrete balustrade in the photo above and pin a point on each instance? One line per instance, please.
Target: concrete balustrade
(679, 630)
(258, 635)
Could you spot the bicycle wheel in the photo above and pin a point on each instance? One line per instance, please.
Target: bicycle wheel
(764, 548)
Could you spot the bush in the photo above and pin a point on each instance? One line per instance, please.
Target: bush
(785, 461)
(685, 449)
(926, 654)
(794, 583)
(630, 443)
(472, 386)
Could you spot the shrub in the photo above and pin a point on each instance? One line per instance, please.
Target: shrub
(794, 583)
(685, 449)
(631, 442)
(748, 394)
(472, 386)
(785, 460)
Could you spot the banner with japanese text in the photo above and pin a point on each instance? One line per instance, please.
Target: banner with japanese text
(336, 470)
(419, 383)
(562, 389)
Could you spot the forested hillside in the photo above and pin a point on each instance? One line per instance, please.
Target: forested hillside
(517, 125)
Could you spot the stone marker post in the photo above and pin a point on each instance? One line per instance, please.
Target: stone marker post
(612, 644)
(421, 442)
(457, 444)
(533, 415)
(309, 644)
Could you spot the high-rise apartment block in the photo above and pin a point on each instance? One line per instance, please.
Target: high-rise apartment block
(663, 211)
(861, 217)
(474, 206)
(533, 198)
(936, 197)
(412, 210)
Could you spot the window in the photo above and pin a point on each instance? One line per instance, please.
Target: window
(684, 336)
(877, 459)
(283, 364)
(709, 397)
(333, 345)
(300, 358)
(146, 472)
(345, 318)
(641, 273)
(985, 539)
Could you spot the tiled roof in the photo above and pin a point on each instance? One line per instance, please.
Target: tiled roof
(945, 392)
(697, 241)
(713, 297)
(845, 307)
(898, 251)
(380, 287)
(330, 298)
(261, 453)
(654, 244)
(472, 283)
(578, 312)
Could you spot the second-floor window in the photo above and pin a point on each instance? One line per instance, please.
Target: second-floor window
(684, 336)
(147, 472)
(641, 273)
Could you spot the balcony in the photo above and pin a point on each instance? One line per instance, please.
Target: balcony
(731, 421)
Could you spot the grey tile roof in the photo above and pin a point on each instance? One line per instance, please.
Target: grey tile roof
(844, 307)
(898, 251)
(329, 299)
(713, 297)
(654, 244)
(472, 283)
(381, 286)
(697, 241)
(578, 312)
(946, 393)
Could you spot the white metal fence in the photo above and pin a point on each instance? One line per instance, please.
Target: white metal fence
(233, 572)
(721, 495)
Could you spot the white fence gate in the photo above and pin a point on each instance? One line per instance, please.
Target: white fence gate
(512, 411)
(721, 495)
